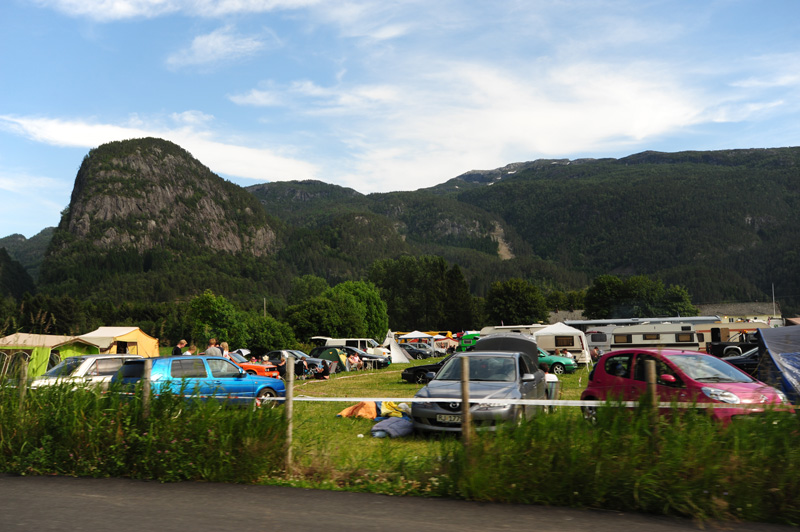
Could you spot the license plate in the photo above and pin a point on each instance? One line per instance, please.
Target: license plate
(448, 418)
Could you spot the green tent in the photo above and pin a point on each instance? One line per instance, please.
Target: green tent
(40, 350)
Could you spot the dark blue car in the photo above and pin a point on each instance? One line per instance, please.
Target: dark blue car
(204, 377)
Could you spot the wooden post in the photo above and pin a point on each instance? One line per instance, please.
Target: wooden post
(22, 382)
(650, 379)
(466, 417)
(289, 410)
(148, 369)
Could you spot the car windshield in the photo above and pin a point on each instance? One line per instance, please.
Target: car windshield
(707, 368)
(236, 357)
(481, 368)
(65, 368)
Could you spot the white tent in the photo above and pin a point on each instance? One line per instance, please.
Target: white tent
(415, 335)
(395, 351)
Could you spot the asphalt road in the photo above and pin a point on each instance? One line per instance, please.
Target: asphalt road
(67, 504)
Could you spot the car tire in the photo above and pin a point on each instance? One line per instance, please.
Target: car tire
(590, 414)
(420, 378)
(266, 392)
(557, 368)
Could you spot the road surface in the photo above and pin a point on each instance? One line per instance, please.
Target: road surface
(122, 505)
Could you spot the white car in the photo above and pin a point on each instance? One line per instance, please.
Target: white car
(84, 369)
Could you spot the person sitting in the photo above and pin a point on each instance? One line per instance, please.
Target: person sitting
(323, 371)
(355, 362)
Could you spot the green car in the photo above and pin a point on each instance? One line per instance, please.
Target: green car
(558, 364)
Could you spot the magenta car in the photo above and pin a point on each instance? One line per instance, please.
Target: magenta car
(682, 377)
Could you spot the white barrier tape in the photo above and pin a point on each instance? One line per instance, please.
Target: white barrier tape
(541, 402)
(532, 402)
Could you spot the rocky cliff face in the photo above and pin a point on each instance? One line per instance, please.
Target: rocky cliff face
(149, 193)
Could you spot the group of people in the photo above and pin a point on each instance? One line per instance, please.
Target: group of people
(220, 350)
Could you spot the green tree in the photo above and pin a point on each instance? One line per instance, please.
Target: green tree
(515, 302)
(368, 304)
(211, 316)
(603, 297)
(305, 287)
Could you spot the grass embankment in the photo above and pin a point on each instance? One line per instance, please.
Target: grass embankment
(686, 465)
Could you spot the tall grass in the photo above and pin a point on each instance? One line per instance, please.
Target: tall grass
(86, 432)
(685, 464)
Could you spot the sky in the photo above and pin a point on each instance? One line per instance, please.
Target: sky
(383, 95)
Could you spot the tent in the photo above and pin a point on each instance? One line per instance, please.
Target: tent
(415, 335)
(562, 336)
(333, 354)
(39, 349)
(780, 360)
(111, 340)
(395, 351)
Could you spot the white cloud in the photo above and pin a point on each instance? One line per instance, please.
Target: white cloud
(220, 45)
(111, 10)
(242, 161)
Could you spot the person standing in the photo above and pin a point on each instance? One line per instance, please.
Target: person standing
(212, 348)
(192, 350)
(223, 346)
(176, 351)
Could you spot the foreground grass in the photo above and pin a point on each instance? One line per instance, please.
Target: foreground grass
(684, 465)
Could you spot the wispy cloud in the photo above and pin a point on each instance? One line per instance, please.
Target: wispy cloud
(247, 162)
(223, 44)
(111, 10)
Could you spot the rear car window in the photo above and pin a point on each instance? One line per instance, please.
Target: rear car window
(132, 370)
(191, 368)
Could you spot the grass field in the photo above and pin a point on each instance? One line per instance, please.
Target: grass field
(630, 460)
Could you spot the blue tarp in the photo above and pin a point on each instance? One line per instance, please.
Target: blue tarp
(780, 360)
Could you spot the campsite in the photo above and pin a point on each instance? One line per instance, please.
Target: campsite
(585, 465)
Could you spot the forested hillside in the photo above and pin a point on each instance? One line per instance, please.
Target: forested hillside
(148, 222)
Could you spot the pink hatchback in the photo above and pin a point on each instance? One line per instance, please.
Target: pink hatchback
(682, 377)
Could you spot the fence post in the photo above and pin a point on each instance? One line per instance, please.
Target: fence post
(650, 379)
(466, 417)
(289, 410)
(148, 370)
(23, 381)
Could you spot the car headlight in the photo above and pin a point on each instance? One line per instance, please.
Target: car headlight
(491, 406)
(781, 395)
(722, 396)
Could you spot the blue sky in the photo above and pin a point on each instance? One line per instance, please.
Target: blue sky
(383, 95)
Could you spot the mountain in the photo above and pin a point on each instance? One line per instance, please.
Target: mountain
(147, 221)
(14, 280)
(29, 252)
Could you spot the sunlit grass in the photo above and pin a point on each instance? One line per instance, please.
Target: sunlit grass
(685, 464)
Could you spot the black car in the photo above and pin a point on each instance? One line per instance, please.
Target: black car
(418, 374)
(747, 361)
(415, 352)
(374, 361)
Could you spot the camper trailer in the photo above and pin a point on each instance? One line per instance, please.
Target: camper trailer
(671, 335)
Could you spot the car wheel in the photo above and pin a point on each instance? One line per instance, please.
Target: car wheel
(420, 378)
(251, 372)
(266, 392)
(590, 414)
(557, 368)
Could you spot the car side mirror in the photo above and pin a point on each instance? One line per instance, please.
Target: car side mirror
(430, 375)
(668, 378)
(242, 374)
(527, 377)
